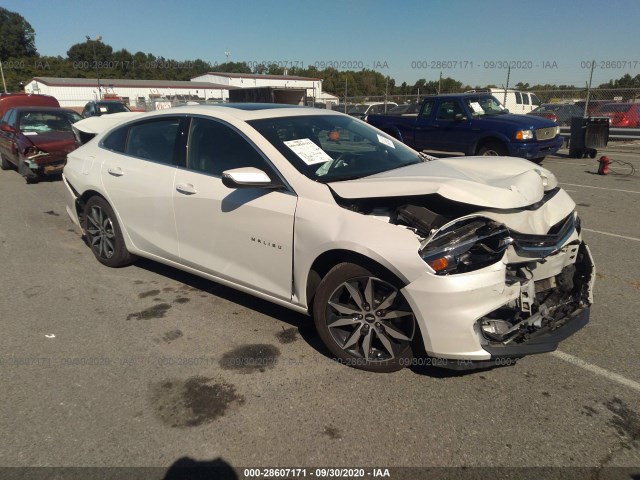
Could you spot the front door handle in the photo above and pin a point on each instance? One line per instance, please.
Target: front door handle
(186, 188)
(115, 171)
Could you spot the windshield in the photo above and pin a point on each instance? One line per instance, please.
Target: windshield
(358, 109)
(43, 122)
(329, 148)
(484, 105)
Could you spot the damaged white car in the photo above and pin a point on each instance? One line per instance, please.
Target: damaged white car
(472, 261)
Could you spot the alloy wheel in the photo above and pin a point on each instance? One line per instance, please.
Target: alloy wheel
(368, 318)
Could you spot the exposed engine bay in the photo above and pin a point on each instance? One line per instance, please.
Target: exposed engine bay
(552, 274)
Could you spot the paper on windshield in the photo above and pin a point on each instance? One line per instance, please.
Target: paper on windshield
(385, 141)
(309, 152)
(475, 106)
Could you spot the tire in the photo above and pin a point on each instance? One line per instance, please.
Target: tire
(104, 235)
(537, 160)
(492, 149)
(4, 163)
(348, 322)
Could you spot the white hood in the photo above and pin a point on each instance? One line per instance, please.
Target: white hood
(491, 182)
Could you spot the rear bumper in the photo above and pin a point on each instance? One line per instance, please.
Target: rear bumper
(70, 200)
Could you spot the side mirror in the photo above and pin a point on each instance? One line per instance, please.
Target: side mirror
(5, 127)
(459, 117)
(248, 177)
(506, 110)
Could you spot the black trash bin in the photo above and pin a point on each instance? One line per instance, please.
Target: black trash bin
(587, 134)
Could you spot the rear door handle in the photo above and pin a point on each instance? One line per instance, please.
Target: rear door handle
(115, 171)
(186, 188)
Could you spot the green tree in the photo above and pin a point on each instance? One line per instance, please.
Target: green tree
(84, 52)
(17, 37)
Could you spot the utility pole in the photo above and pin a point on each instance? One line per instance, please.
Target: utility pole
(95, 61)
(586, 104)
(504, 101)
(4, 84)
(439, 83)
(346, 84)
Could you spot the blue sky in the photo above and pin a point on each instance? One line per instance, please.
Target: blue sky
(404, 39)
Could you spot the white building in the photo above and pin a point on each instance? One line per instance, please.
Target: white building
(246, 80)
(75, 92)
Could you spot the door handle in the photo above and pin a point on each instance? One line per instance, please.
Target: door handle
(186, 188)
(115, 171)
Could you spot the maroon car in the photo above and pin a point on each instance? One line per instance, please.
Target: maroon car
(622, 115)
(36, 140)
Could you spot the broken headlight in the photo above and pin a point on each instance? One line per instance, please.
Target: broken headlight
(465, 245)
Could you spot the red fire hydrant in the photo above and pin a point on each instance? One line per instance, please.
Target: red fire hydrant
(603, 169)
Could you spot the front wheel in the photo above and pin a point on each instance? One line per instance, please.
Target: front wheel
(29, 175)
(493, 149)
(364, 320)
(104, 235)
(4, 163)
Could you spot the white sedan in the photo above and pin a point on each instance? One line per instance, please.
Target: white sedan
(396, 255)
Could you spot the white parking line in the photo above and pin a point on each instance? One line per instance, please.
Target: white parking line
(599, 188)
(614, 377)
(611, 234)
(578, 164)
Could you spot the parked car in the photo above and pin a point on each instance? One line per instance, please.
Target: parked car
(363, 110)
(36, 140)
(103, 107)
(592, 107)
(405, 109)
(474, 261)
(474, 124)
(13, 100)
(621, 115)
(561, 113)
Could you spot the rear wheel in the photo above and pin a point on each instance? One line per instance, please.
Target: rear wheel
(492, 149)
(364, 320)
(104, 235)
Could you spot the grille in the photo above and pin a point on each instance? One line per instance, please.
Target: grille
(544, 245)
(546, 133)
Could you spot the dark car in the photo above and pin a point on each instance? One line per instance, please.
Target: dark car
(592, 107)
(560, 113)
(36, 140)
(103, 107)
(621, 115)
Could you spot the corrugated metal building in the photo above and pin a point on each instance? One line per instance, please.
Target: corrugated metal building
(75, 92)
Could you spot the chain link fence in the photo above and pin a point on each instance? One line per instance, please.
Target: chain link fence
(546, 96)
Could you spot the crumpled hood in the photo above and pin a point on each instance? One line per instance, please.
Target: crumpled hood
(490, 182)
(54, 142)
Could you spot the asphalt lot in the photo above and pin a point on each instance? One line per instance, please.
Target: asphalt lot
(145, 365)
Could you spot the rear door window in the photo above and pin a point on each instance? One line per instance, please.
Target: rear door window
(157, 140)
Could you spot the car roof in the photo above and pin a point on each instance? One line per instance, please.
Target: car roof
(43, 109)
(245, 111)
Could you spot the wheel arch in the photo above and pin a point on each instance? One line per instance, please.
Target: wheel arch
(329, 259)
(490, 139)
